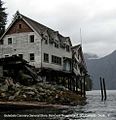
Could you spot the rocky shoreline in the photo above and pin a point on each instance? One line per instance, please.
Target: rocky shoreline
(43, 93)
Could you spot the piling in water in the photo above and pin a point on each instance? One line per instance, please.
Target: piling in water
(101, 86)
(105, 95)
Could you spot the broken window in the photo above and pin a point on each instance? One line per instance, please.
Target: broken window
(67, 48)
(46, 57)
(31, 38)
(56, 45)
(46, 41)
(56, 60)
(32, 57)
(20, 26)
(10, 41)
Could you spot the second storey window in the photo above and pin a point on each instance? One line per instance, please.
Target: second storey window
(46, 41)
(67, 48)
(10, 41)
(32, 57)
(56, 45)
(46, 57)
(31, 37)
(56, 60)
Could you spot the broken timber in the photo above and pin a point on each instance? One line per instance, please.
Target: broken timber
(20, 71)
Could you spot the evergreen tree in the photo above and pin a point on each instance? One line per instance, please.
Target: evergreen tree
(3, 18)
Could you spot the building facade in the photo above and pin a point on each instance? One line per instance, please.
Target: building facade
(47, 50)
(41, 46)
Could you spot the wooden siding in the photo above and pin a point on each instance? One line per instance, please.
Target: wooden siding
(16, 28)
(21, 45)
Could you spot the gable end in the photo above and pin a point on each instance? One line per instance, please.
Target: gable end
(19, 26)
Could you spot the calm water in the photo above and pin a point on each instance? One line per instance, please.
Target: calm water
(93, 110)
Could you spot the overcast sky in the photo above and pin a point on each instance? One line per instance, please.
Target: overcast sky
(96, 18)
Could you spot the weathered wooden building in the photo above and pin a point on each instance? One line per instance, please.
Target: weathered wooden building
(51, 53)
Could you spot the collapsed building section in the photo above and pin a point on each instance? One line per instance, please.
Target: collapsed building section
(18, 70)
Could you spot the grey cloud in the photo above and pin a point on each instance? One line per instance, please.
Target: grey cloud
(96, 18)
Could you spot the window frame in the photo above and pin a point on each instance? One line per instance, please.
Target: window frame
(31, 55)
(30, 38)
(56, 45)
(10, 42)
(46, 57)
(56, 60)
(67, 48)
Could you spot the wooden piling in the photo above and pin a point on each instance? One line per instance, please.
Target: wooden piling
(76, 84)
(81, 85)
(69, 83)
(105, 95)
(101, 86)
(73, 84)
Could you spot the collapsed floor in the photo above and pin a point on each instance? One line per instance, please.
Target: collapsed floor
(20, 82)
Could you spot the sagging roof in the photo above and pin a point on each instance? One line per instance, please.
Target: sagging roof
(38, 28)
(76, 46)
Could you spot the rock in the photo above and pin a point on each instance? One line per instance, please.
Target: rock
(41, 89)
(30, 93)
(3, 95)
(24, 96)
(37, 98)
(17, 93)
(4, 88)
(41, 92)
(11, 98)
(17, 85)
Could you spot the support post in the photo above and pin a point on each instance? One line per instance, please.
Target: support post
(84, 89)
(71, 83)
(81, 87)
(68, 83)
(76, 84)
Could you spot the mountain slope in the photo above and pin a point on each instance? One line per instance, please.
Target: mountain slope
(103, 67)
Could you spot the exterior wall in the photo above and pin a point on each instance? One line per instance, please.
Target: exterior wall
(78, 59)
(52, 50)
(22, 45)
(15, 27)
(20, 32)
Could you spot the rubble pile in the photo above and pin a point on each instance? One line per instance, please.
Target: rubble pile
(39, 92)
